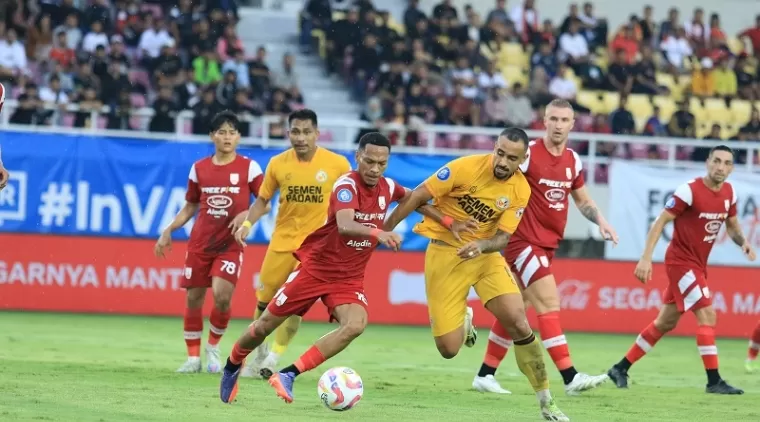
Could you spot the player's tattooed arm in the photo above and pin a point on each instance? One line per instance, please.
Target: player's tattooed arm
(734, 230)
(495, 244)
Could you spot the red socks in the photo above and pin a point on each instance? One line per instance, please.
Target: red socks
(238, 354)
(644, 343)
(309, 360)
(554, 340)
(499, 342)
(219, 321)
(706, 345)
(193, 331)
(754, 344)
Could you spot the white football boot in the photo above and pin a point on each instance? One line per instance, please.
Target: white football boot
(191, 366)
(549, 410)
(488, 384)
(253, 364)
(471, 334)
(213, 359)
(584, 382)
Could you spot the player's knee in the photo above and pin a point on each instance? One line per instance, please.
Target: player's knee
(266, 325)
(706, 316)
(544, 295)
(520, 328)
(447, 349)
(194, 298)
(353, 329)
(222, 304)
(665, 324)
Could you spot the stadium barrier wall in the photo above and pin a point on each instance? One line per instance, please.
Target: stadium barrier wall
(121, 276)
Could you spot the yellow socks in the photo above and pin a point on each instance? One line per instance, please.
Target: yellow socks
(530, 360)
(285, 333)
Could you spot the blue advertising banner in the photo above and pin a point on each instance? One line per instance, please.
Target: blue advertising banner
(123, 187)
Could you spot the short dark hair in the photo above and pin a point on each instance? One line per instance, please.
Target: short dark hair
(223, 117)
(722, 148)
(303, 114)
(374, 138)
(515, 134)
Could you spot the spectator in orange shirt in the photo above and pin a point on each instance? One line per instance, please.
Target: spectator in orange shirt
(716, 33)
(626, 40)
(61, 52)
(703, 80)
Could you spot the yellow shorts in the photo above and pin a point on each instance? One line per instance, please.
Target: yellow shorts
(448, 280)
(275, 270)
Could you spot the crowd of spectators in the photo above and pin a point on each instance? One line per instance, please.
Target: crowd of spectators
(64, 59)
(442, 67)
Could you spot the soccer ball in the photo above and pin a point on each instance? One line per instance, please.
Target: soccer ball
(340, 388)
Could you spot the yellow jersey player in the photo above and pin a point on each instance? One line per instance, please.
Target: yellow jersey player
(304, 175)
(489, 189)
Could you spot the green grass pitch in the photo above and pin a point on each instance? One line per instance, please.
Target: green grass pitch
(56, 367)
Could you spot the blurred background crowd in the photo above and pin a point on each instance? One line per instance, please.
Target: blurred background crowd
(682, 77)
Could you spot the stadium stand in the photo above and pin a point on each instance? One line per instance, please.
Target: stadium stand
(137, 65)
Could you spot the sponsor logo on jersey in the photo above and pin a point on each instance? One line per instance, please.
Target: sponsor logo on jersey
(345, 195)
(219, 201)
(359, 244)
(213, 190)
(475, 208)
(369, 216)
(555, 195)
(381, 202)
(321, 176)
(443, 174)
(234, 178)
(713, 226)
(305, 194)
(713, 215)
(556, 183)
(502, 203)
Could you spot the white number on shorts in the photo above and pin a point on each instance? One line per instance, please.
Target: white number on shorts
(229, 267)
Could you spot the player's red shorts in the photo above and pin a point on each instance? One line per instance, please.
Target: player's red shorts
(200, 267)
(528, 262)
(687, 288)
(302, 290)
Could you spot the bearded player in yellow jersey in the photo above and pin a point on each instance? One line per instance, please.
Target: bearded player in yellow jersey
(304, 175)
(489, 189)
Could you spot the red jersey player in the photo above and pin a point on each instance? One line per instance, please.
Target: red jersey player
(332, 263)
(220, 187)
(554, 173)
(753, 350)
(698, 208)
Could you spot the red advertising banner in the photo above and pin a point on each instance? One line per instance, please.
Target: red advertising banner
(70, 274)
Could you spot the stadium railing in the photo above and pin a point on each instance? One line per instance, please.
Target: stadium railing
(341, 134)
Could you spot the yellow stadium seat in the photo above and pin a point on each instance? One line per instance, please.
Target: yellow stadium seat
(640, 123)
(486, 52)
(640, 106)
(697, 109)
(611, 101)
(703, 129)
(513, 54)
(667, 107)
(591, 100)
(716, 111)
(338, 15)
(728, 131)
(741, 111)
(514, 74)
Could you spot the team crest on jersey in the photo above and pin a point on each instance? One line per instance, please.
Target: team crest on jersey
(381, 202)
(671, 202)
(568, 173)
(345, 196)
(321, 176)
(727, 204)
(519, 213)
(234, 178)
(502, 203)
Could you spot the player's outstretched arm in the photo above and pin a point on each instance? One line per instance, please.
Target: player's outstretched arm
(588, 209)
(734, 231)
(411, 202)
(348, 226)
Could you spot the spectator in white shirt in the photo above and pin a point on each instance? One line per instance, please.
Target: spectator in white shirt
(526, 20)
(53, 95)
(676, 48)
(562, 86)
(96, 37)
(490, 78)
(12, 55)
(573, 47)
(465, 76)
(71, 28)
(154, 38)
